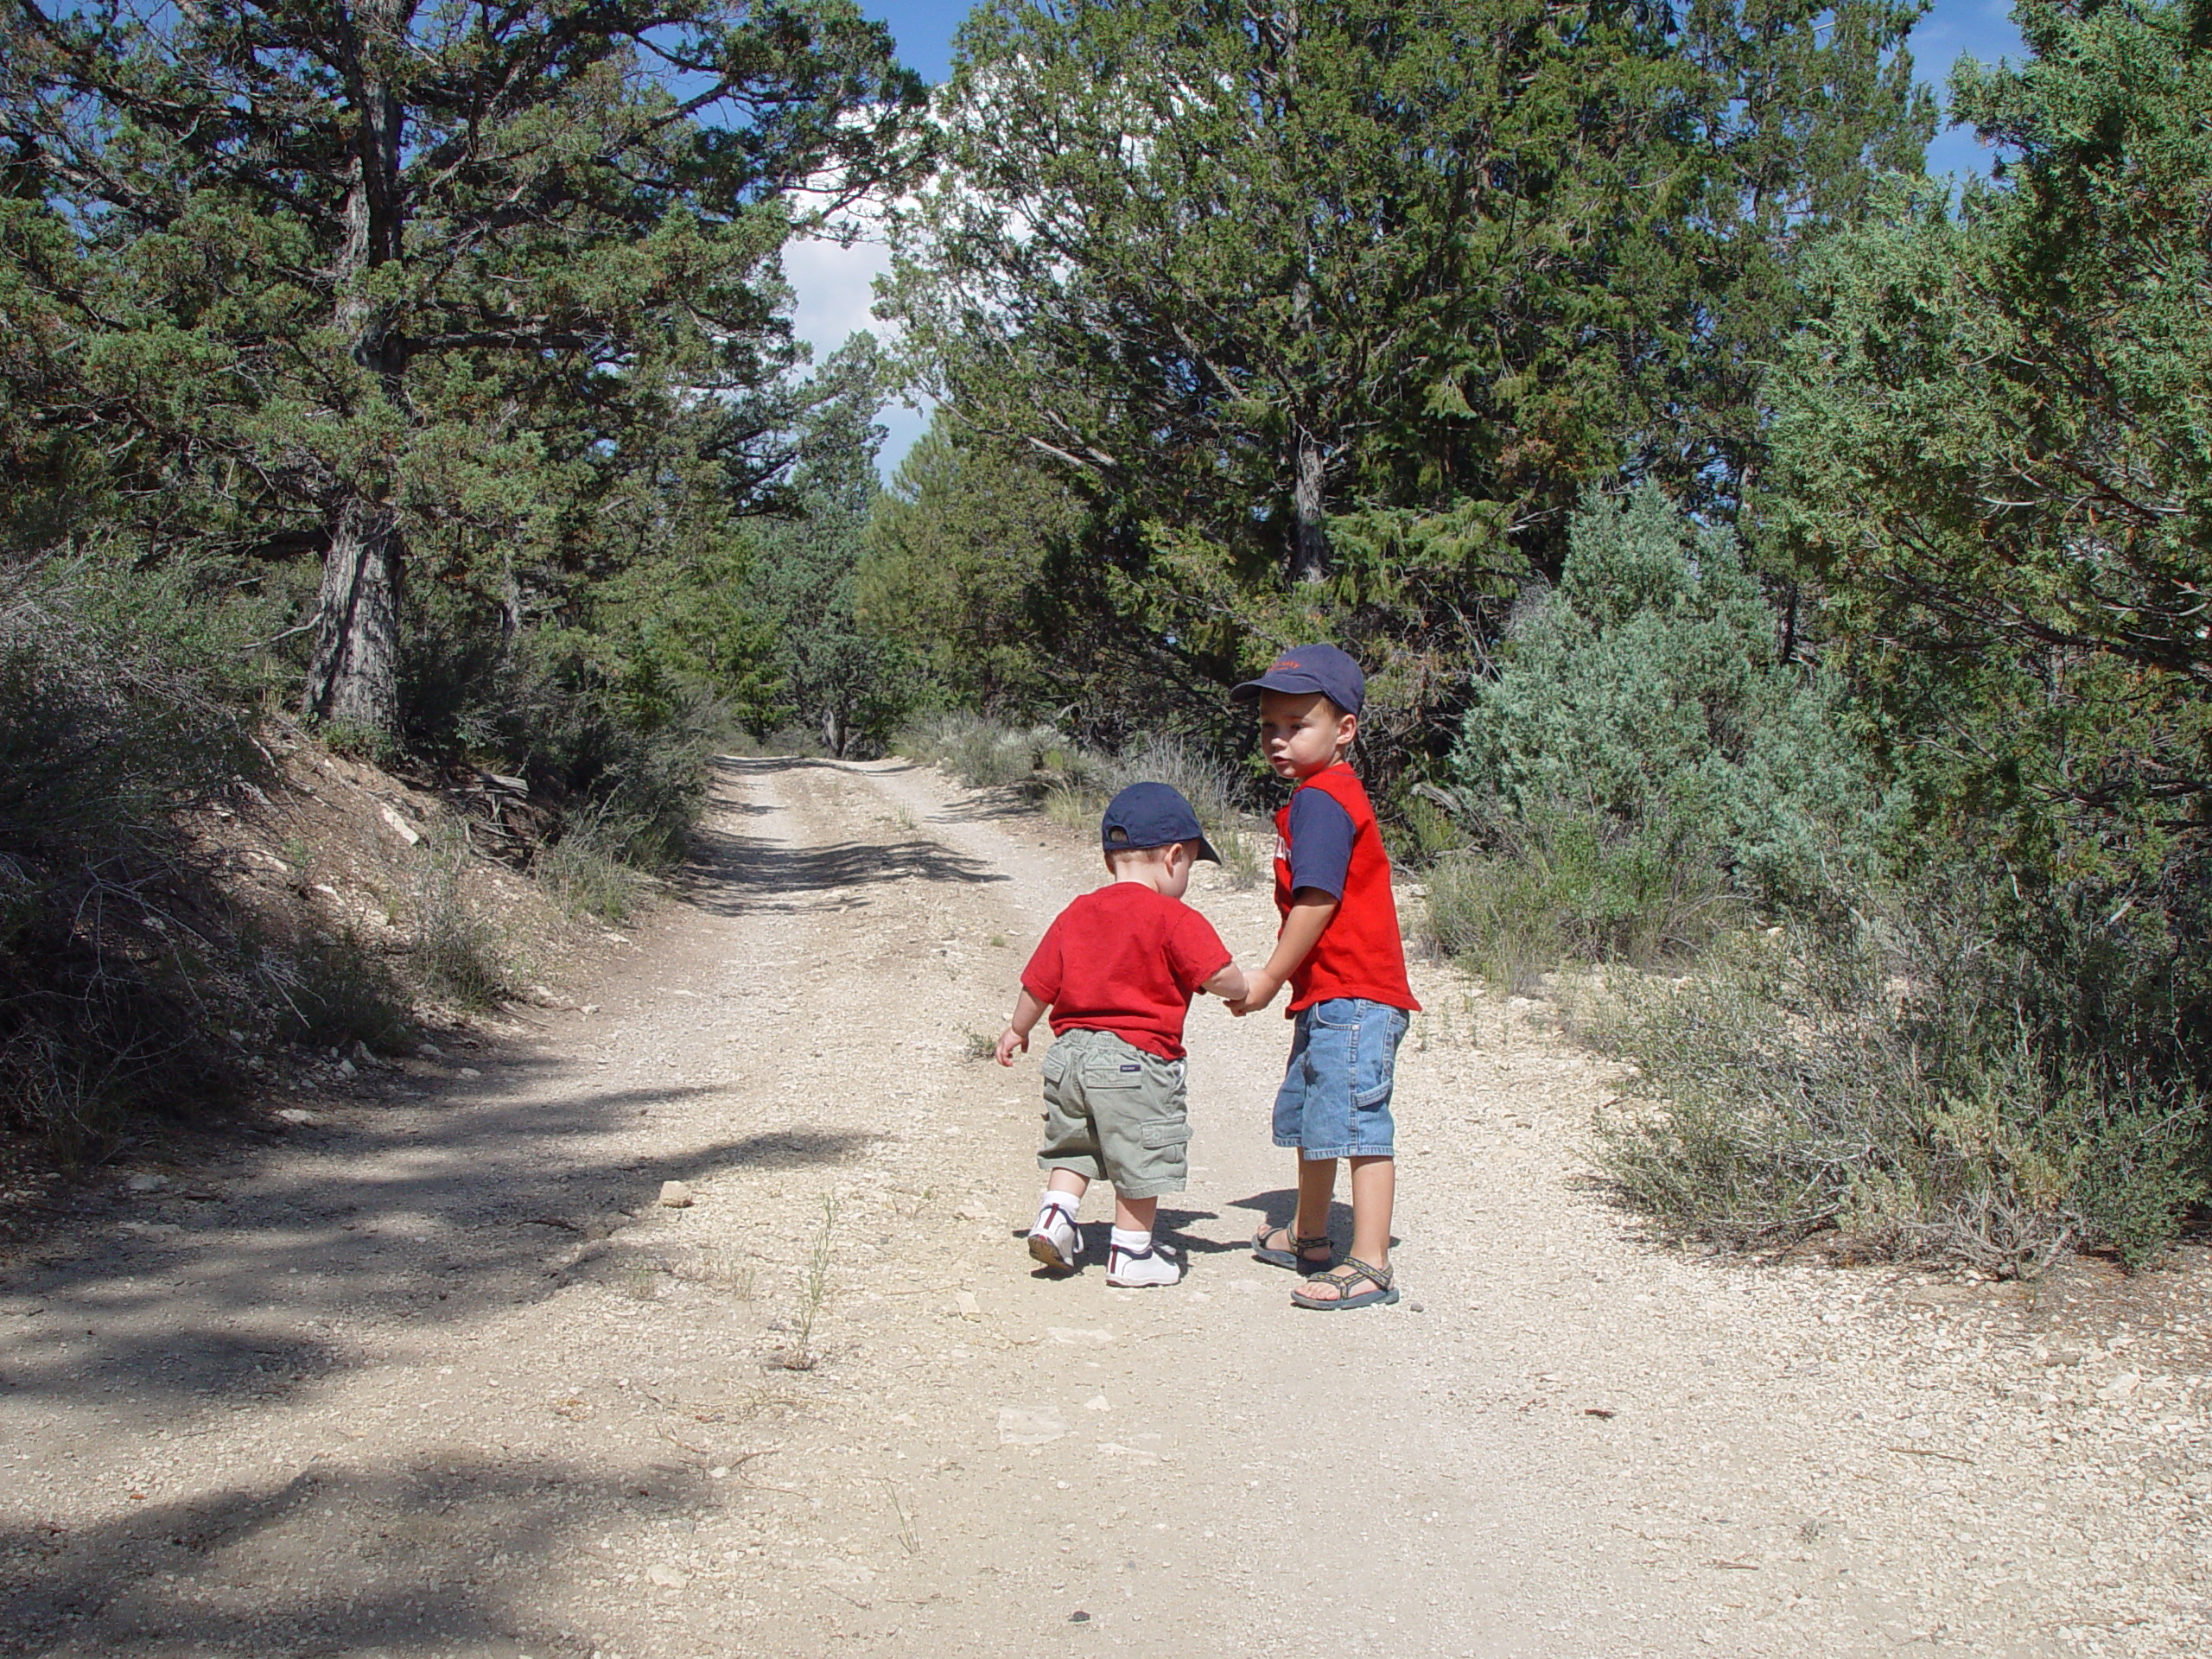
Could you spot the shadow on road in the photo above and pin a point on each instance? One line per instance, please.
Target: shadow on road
(439, 1557)
(235, 1297)
(732, 872)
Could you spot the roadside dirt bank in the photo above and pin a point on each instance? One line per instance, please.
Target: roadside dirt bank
(440, 1376)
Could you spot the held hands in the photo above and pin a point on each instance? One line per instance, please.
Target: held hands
(1260, 989)
(1010, 1043)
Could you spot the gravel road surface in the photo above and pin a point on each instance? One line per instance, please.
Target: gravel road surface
(441, 1377)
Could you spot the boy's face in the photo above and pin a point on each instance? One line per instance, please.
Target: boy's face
(1302, 732)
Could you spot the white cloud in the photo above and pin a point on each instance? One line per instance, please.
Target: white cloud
(833, 286)
(833, 289)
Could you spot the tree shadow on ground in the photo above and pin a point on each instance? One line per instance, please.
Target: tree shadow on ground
(433, 1554)
(235, 1297)
(732, 872)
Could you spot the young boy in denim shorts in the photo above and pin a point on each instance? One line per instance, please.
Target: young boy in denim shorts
(1118, 968)
(1340, 952)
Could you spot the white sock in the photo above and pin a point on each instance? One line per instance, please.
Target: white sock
(1131, 1243)
(1056, 1200)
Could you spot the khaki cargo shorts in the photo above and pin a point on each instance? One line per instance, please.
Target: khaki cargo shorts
(1113, 1111)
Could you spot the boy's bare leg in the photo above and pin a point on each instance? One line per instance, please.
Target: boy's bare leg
(1317, 1187)
(1066, 1180)
(1134, 1215)
(1374, 1191)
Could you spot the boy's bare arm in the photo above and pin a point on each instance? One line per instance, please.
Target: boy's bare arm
(1028, 1011)
(1228, 984)
(1311, 910)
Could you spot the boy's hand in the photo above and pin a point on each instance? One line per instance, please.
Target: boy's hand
(1010, 1043)
(1260, 989)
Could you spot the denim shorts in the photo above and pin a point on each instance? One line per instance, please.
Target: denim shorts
(1335, 1099)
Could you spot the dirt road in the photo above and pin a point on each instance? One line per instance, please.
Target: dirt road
(440, 1377)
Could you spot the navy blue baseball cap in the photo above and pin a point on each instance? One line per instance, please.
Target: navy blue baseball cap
(1151, 815)
(1312, 668)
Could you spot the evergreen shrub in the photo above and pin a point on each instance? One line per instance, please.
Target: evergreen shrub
(1643, 756)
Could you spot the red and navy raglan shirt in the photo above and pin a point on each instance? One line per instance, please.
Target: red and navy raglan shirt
(1327, 838)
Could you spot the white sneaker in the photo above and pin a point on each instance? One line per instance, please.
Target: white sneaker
(1155, 1265)
(1056, 1239)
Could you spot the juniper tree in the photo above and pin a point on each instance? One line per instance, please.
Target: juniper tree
(1331, 311)
(402, 263)
(1993, 438)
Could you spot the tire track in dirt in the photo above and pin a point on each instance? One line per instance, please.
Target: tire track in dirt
(441, 1377)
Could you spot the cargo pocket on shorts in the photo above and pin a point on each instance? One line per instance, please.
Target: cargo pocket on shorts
(1166, 1131)
(1374, 1060)
(1055, 1064)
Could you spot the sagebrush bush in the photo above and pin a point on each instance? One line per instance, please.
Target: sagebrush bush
(1563, 884)
(594, 867)
(1645, 696)
(456, 948)
(334, 991)
(118, 972)
(1877, 1079)
(982, 752)
(1073, 783)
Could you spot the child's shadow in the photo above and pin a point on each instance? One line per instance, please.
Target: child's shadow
(1174, 1225)
(1280, 1207)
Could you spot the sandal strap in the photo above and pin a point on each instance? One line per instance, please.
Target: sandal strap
(1352, 1268)
(1298, 1242)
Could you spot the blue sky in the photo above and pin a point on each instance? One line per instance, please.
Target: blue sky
(833, 283)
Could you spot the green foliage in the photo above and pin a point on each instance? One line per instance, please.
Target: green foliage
(851, 683)
(1993, 449)
(1074, 783)
(984, 754)
(594, 869)
(459, 952)
(963, 568)
(1876, 1080)
(1563, 884)
(1327, 316)
(482, 295)
(115, 977)
(1997, 456)
(1640, 724)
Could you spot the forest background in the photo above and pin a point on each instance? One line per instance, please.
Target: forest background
(1782, 574)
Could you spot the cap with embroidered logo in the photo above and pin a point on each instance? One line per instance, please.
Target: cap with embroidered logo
(1312, 668)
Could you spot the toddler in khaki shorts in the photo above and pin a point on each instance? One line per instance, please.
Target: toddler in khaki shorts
(1118, 968)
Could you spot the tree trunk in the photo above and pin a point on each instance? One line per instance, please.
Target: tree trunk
(353, 676)
(1309, 552)
(835, 735)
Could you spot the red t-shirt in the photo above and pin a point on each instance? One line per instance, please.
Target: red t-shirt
(1128, 960)
(1359, 953)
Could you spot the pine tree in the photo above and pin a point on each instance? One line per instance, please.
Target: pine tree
(1331, 312)
(399, 265)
